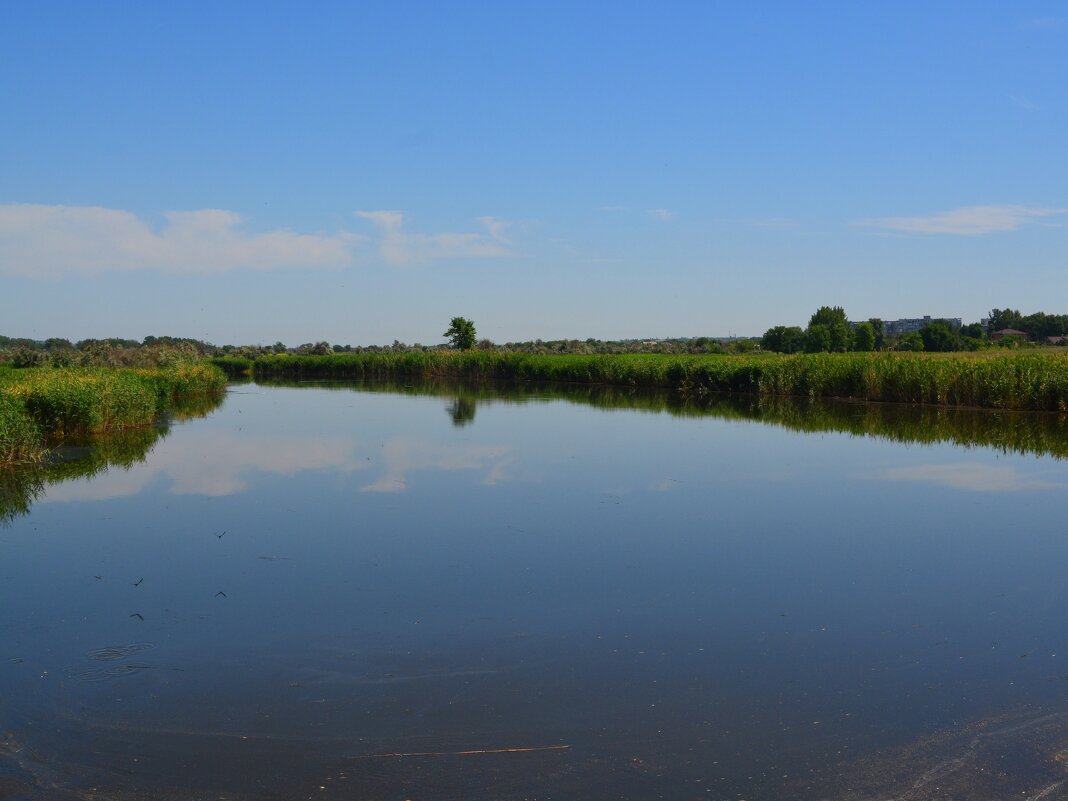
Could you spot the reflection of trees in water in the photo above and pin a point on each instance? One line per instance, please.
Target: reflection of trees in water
(21, 485)
(462, 410)
(1038, 433)
(19, 488)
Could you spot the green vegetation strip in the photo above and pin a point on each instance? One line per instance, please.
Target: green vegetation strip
(1024, 382)
(40, 405)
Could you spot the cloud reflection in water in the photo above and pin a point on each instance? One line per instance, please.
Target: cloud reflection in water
(218, 464)
(971, 476)
(402, 456)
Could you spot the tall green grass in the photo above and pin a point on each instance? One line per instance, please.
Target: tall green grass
(40, 405)
(1025, 381)
(20, 439)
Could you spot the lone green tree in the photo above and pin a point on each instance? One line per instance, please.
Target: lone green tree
(461, 333)
(839, 337)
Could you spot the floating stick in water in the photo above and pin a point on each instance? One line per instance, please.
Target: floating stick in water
(468, 753)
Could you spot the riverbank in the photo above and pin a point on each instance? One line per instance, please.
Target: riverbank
(41, 405)
(1037, 382)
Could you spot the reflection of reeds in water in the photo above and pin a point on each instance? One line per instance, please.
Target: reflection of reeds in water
(1036, 433)
(87, 455)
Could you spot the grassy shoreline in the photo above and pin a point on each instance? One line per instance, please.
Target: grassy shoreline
(41, 405)
(1034, 382)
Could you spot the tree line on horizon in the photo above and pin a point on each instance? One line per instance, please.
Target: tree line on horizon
(830, 331)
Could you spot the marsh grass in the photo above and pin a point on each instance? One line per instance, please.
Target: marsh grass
(42, 405)
(20, 439)
(1017, 381)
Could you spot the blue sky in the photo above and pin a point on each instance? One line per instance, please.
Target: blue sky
(363, 172)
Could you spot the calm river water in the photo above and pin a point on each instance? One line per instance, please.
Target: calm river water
(369, 593)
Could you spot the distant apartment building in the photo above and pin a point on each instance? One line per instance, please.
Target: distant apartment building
(896, 328)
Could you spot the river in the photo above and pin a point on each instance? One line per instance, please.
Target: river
(448, 592)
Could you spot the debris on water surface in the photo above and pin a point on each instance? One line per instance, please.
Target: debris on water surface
(471, 752)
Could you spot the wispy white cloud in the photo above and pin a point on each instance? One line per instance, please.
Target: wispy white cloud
(971, 476)
(664, 215)
(45, 241)
(967, 221)
(399, 247)
(496, 228)
(1025, 103)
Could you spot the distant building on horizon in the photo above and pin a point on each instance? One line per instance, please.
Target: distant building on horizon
(896, 328)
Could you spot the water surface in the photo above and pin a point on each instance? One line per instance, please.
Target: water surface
(449, 592)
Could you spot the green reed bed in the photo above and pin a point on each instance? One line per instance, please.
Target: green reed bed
(42, 404)
(20, 439)
(1029, 381)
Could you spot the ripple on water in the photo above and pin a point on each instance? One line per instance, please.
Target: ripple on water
(112, 653)
(105, 673)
